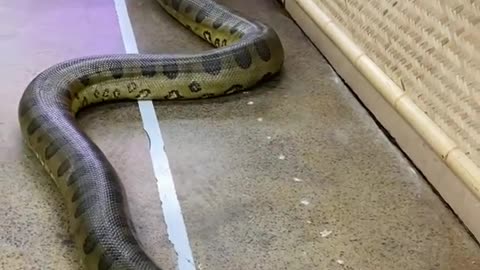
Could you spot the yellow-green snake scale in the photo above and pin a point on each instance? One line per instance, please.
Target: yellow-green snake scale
(246, 52)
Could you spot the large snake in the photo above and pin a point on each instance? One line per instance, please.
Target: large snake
(247, 52)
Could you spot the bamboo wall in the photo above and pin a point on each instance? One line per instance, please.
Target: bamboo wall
(431, 49)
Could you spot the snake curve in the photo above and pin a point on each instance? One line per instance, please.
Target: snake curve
(245, 53)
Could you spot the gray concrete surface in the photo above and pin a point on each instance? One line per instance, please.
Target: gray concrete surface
(300, 179)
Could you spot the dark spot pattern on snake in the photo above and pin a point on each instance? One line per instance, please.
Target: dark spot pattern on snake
(90, 243)
(131, 87)
(170, 70)
(82, 189)
(63, 168)
(195, 87)
(243, 58)
(176, 4)
(33, 126)
(173, 94)
(77, 194)
(85, 80)
(106, 93)
(218, 22)
(116, 93)
(77, 174)
(201, 15)
(234, 88)
(39, 139)
(207, 36)
(262, 49)
(116, 69)
(265, 77)
(234, 28)
(85, 204)
(212, 63)
(51, 149)
(96, 93)
(148, 70)
(84, 101)
(67, 95)
(104, 263)
(143, 93)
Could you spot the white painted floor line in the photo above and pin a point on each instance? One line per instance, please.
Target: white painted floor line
(172, 213)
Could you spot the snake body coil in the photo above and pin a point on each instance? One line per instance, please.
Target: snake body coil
(246, 53)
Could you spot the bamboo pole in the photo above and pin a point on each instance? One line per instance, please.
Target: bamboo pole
(460, 164)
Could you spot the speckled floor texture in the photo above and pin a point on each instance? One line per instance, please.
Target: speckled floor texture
(292, 175)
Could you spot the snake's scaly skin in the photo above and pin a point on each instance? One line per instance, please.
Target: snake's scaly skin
(247, 53)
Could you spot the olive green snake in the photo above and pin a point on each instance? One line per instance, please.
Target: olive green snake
(246, 52)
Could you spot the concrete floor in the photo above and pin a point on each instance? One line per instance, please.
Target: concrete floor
(242, 206)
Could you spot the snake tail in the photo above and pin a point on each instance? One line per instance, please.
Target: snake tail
(245, 52)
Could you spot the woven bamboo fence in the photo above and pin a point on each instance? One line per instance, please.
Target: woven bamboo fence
(423, 57)
(431, 49)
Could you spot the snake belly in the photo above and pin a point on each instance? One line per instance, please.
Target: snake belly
(246, 52)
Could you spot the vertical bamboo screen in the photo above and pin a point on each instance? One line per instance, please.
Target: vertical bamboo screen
(431, 49)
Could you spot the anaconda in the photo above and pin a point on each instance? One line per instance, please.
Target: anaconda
(245, 53)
